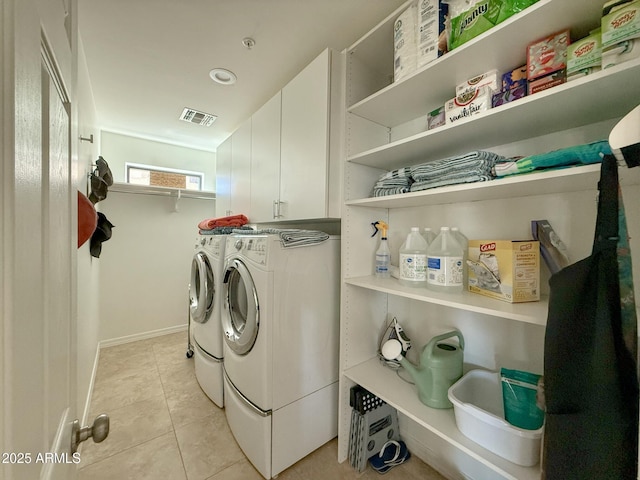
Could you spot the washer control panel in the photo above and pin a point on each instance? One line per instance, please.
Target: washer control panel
(253, 248)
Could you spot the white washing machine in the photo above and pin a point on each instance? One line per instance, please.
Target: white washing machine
(205, 307)
(281, 335)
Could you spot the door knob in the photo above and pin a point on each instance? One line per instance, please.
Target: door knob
(98, 431)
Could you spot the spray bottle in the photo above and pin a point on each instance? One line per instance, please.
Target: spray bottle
(383, 254)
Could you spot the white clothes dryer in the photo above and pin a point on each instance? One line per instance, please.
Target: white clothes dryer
(205, 307)
(281, 332)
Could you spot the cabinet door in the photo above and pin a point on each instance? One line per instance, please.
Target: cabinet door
(241, 170)
(223, 178)
(265, 160)
(304, 149)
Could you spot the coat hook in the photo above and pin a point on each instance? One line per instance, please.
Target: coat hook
(84, 139)
(176, 206)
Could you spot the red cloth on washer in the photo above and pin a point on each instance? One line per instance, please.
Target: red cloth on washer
(230, 221)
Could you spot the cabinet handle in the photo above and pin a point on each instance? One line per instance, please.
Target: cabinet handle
(276, 208)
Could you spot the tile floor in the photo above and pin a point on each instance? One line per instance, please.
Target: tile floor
(164, 427)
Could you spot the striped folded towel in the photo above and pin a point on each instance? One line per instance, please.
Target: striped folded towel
(225, 230)
(476, 161)
(394, 182)
(291, 237)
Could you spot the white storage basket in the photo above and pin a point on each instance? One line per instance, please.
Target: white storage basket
(479, 413)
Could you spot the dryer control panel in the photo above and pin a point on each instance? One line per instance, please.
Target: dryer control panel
(253, 248)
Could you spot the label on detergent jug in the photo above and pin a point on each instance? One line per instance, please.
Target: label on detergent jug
(413, 267)
(444, 271)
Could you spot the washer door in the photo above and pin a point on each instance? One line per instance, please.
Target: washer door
(201, 288)
(242, 319)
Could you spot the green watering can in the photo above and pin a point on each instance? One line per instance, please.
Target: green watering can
(440, 367)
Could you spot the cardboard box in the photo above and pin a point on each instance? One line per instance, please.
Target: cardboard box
(544, 83)
(515, 78)
(467, 105)
(585, 55)
(620, 31)
(621, 23)
(436, 118)
(507, 270)
(547, 55)
(509, 95)
(488, 79)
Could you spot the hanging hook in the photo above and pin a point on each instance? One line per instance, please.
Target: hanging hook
(85, 139)
(176, 206)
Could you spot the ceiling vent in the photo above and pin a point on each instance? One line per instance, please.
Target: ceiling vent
(200, 118)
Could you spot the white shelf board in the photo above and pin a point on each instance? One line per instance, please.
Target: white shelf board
(163, 191)
(529, 312)
(615, 90)
(384, 383)
(544, 182)
(502, 47)
(583, 177)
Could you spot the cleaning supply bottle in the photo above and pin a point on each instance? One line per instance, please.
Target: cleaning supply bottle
(383, 254)
(429, 235)
(444, 263)
(413, 260)
(464, 243)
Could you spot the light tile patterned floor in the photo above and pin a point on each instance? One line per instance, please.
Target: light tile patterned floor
(164, 427)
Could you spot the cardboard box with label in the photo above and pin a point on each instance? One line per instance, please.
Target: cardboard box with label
(508, 270)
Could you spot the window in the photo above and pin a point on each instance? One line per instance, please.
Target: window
(139, 174)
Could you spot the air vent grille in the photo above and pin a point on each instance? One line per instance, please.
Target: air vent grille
(200, 118)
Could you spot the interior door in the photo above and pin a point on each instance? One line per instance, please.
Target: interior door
(37, 259)
(58, 249)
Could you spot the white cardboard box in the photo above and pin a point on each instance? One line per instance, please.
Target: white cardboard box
(507, 270)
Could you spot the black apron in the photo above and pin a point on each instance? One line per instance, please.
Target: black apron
(590, 377)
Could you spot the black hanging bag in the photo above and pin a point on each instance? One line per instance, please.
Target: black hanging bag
(591, 383)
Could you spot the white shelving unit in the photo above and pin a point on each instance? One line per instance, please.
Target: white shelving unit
(386, 129)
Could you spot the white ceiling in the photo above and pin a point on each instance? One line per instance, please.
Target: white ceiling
(148, 59)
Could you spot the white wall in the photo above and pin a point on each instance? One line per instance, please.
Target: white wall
(119, 149)
(145, 266)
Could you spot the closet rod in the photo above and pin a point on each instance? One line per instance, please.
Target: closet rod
(179, 193)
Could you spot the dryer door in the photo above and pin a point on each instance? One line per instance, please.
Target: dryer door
(242, 317)
(201, 288)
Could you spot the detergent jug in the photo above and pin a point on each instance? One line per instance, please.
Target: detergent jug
(440, 367)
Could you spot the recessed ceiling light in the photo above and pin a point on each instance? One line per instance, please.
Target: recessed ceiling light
(223, 76)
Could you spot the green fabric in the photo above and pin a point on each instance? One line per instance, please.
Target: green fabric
(627, 296)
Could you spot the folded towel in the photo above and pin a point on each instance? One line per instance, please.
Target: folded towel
(225, 230)
(579, 154)
(291, 237)
(394, 182)
(231, 221)
(382, 191)
(451, 180)
(476, 161)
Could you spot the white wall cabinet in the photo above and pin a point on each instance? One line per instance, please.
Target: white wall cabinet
(294, 150)
(233, 173)
(265, 161)
(307, 163)
(386, 129)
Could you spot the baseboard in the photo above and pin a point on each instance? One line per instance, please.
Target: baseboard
(141, 336)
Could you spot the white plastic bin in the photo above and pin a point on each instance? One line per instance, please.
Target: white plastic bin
(479, 413)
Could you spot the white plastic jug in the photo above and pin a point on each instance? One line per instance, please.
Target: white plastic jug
(445, 263)
(413, 260)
